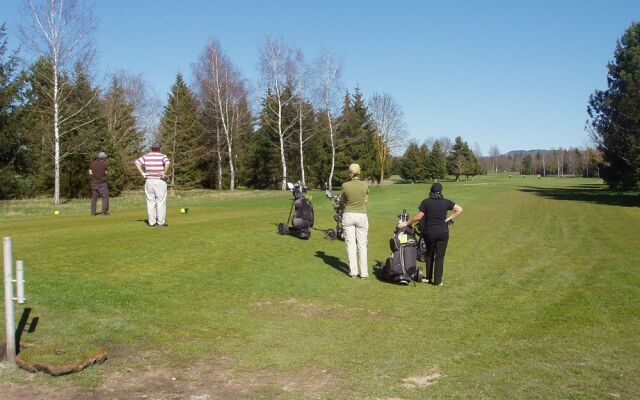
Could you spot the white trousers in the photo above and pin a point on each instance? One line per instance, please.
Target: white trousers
(356, 228)
(156, 193)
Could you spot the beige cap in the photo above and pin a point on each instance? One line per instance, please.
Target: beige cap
(355, 168)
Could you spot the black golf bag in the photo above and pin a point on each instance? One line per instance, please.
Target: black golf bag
(401, 266)
(301, 214)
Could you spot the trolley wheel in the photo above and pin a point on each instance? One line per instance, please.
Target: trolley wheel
(282, 229)
(331, 234)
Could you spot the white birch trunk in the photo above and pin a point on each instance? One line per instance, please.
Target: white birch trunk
(56, 135)
(301, 141)
(333, 151)
(283, 161)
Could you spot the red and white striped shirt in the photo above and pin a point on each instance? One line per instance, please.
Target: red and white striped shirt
(154, 164)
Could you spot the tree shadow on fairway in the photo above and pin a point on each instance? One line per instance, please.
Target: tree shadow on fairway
(333, 261)
(591, 193)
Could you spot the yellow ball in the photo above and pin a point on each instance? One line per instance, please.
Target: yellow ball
(56, 212)
(182, 211)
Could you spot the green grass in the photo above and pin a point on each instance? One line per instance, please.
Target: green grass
(541, 297)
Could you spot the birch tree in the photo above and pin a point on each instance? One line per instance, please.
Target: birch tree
(276, 69)
(329, 70)
(301, 77)
(390, 127)
(59, 32)
(494, 153)
(223, 90)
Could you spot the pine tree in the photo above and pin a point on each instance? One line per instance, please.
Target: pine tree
(11, 143)
(424, 156)
(457, 160)
(263, 164)
(34, 126)
(179, 136)
(356, 140)
(85, 135)
(436, 163)
(615, 120)
(413, 167)
(123, 141)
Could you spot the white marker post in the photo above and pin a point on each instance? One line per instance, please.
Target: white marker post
(8, 301)
(20, 281)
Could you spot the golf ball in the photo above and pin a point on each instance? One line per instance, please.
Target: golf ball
(56, 212)
(182, 211)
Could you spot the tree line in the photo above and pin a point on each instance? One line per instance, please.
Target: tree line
(54, 117)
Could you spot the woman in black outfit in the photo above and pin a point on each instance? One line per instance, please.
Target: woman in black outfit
(435, 229)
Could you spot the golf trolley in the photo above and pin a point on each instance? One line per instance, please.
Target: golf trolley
(401, 266)
(300, 215)
(338, 209)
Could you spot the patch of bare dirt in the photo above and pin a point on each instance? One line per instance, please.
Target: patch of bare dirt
(417, 382)
(205, 380)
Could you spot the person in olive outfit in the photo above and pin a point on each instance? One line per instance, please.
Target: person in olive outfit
(355, 195)
(435, 229)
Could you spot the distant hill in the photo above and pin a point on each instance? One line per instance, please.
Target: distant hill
(514, 153)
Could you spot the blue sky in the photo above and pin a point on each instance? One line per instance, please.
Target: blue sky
(516, 74)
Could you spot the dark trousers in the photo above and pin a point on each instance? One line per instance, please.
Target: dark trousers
(436, 248)
(100, 190)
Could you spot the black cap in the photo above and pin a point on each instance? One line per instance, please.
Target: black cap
(436, 187)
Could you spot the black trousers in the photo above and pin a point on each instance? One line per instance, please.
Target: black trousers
(436, 249)
(100, 190)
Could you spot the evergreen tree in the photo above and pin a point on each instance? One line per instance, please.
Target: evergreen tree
(462, 161)
(527, 165)
(179, 136)
(356, 140)
(472, 164)
(436, 163)
(424, 156)
(413, 163)
(86, 134)
(615, 120)
(33, 127)
(11, 143)
(243, 144)
(263, 164)
(457, 160)
(319, 154)
(123, 141)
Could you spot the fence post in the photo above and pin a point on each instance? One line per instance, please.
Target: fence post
(8, 301)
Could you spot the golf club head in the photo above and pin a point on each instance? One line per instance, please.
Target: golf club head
(328, 193)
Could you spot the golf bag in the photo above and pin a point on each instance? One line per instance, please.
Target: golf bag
(301, 215)
(338, 209)
(401, 266)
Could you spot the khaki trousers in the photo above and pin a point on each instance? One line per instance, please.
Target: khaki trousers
(356, 228)
(156, 193)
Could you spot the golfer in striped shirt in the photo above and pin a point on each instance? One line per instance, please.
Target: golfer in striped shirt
(155, 166)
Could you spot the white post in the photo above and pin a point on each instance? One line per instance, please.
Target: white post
(8, 301)
(20, 281)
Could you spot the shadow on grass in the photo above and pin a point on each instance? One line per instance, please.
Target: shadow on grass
(591, 193)
(22, 324)
(377, 271)
(333, 261)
